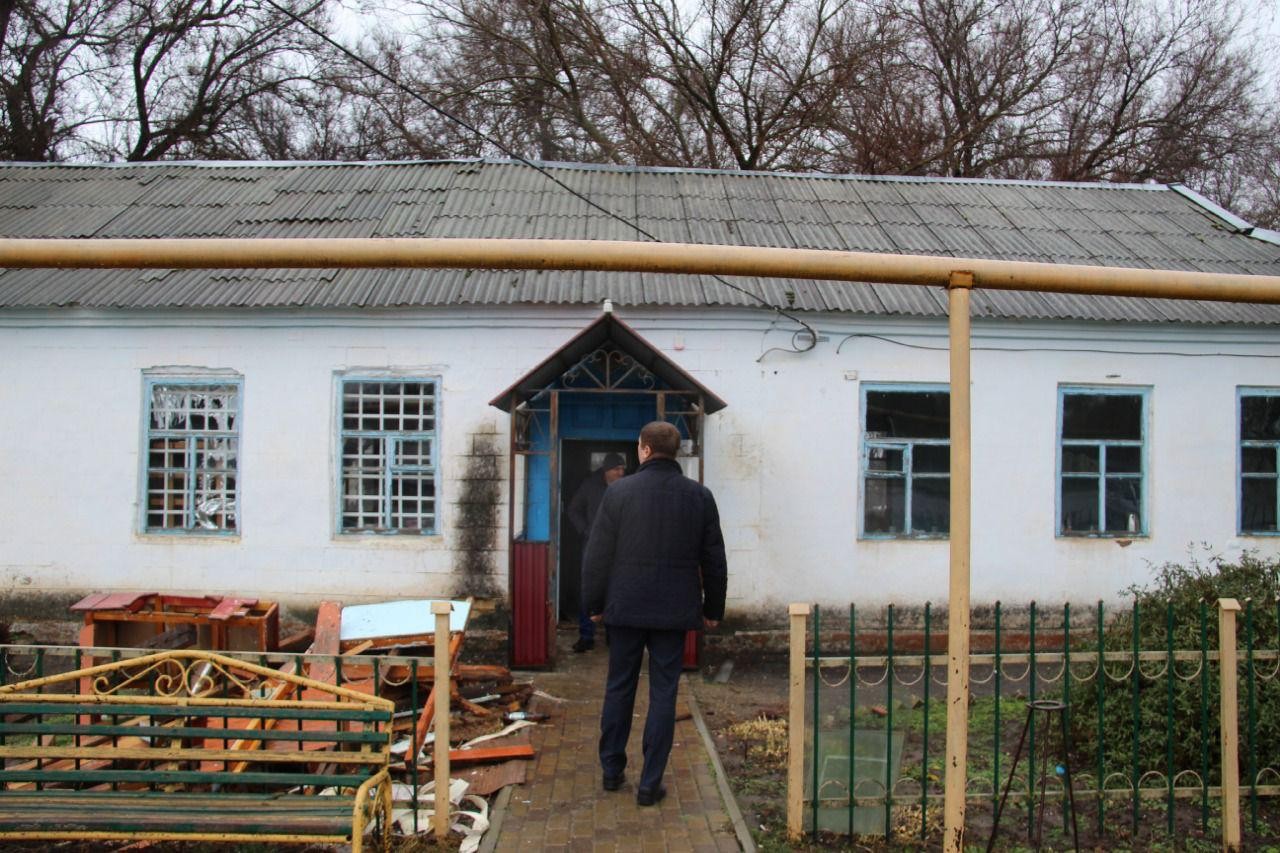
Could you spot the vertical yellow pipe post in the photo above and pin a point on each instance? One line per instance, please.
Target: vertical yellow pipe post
(958, 602)
(444, 685)
(795, 724)
(1229, 723)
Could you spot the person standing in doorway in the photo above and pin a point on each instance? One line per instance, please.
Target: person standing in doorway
(582, 513)
(654, 569)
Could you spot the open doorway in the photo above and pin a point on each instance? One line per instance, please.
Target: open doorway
(580, 460)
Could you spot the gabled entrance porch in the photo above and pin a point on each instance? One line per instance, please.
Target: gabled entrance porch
(590, 396)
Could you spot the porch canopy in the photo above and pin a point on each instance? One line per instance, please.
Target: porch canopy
(606, 332)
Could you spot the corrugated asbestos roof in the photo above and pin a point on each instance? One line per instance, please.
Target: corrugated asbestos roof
(1147, 226)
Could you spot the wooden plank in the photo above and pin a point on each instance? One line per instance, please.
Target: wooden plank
(1229, 721)
(277, 710)
(101, 733)
(492, 753)
(179, 753)
(110, 601)
(231, 606)
(429, 707)
(162, 777)
(298, 641)
(799, 615)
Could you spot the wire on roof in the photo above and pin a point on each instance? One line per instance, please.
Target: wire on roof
(546, 173)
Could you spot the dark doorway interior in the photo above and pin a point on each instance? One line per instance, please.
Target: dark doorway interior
(580, 459)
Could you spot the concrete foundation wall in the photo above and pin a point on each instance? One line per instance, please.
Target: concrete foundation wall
(783, 458)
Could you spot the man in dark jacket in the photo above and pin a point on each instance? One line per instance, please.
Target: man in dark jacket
(655, 568)
(582, 514)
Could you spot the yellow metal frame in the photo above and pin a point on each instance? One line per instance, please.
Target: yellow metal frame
(179, 688)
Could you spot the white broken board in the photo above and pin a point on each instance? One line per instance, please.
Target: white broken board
(398, 619)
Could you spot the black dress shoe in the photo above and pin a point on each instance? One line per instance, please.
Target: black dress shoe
(650, 798)
(584, 645)
(613, 783)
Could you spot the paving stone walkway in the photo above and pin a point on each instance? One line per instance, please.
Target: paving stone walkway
(563, 807)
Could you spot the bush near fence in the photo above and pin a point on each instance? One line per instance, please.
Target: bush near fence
(1144, 732)
(1142, 727)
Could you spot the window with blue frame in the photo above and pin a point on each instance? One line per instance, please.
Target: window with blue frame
(387, 434)
(1259, 448)
(906, 461)
(192, 456)
(1102, 461)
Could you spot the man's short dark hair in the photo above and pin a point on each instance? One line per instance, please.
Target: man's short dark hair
(661, 438)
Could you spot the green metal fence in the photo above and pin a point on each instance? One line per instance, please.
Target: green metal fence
(1140, 690)
(396, 677)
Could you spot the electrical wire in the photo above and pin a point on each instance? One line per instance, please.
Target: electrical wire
(1174, 353)
(546, 173)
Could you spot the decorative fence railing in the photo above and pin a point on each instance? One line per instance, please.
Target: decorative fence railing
(1143, 695)
(401, 678)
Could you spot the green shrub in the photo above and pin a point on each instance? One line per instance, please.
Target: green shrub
(1177, 595)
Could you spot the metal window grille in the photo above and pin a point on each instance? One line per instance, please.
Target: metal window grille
(1101, 462)
(906, 461)
(388, 438)
(193, 443)
(1259, 458)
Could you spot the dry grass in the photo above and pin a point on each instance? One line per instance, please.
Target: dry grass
(765, 741)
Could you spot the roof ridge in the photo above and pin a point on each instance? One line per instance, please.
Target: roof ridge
(595, 167)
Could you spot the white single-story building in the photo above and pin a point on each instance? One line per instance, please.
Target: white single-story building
(369, 434)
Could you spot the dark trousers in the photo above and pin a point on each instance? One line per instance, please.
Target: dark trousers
(666, 657)
(586, 628)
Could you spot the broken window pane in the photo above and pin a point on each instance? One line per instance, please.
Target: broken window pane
(1258, 500)
(908, 414)
(931, 504)
(931, 458)
(1080, 460)
(1260, 417)
(1101, 453)
(1260, 447)
(192, 450)
(388, 442)
(907, 456)
(1124, 505)
(1079, 504)
(1258, 460)
(884, 458)
(886, 506)
(1102, 416)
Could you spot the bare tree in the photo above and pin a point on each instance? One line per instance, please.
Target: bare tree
(727, 83)
(48, 53)
(1156, 96)
(192, 64)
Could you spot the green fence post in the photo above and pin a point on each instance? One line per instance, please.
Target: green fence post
(924, 760)
(1066, 691)
(1136, 686)
(1253, 716)
(1031, 734)
(817, 680)
(1170, 676)
(1204, 716)
(853, 705)
(888, 732)
(1102, 687)
(995, 732)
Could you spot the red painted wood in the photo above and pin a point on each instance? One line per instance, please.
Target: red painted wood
(530, 629)
(692, 645)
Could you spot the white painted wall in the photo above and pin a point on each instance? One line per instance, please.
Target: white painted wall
(782, 458)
